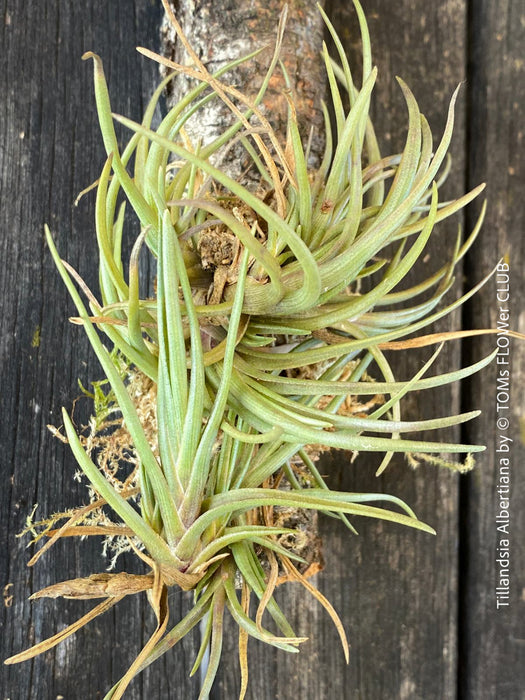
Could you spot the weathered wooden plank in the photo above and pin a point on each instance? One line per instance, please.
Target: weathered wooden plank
(492, 652)
(51, 149)
(401, 598)
(396, 591)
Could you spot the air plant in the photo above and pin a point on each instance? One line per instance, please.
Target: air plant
(254, 353)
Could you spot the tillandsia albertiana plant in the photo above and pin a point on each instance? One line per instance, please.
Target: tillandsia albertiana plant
(253, 354)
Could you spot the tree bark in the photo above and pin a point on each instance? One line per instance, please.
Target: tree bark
(220, 32)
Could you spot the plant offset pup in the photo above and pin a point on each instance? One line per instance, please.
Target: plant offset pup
(253, 354)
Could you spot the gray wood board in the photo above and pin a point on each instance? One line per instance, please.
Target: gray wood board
(395, 590)
(51, 150)
(405, 598)
(492, 647)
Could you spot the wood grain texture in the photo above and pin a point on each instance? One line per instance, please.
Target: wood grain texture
(400, 595)
(51, 149)
(404, 597)
(493, 640)
(395, 590)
